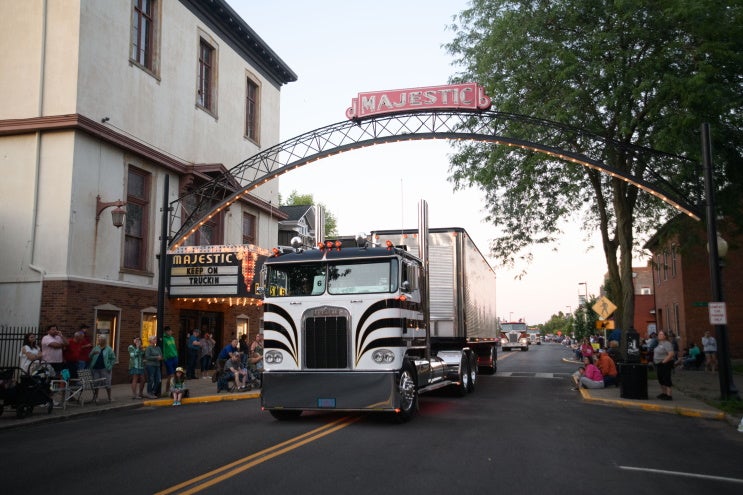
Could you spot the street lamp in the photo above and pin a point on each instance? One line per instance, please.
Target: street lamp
(727, 387)
(117, 214)
(585, 285)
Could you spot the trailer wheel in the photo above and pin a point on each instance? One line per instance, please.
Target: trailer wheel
(406, 387)
(463, 376)
(472, 369)
(285, 414)
(492, 366)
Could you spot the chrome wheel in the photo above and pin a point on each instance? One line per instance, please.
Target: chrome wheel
(408, 392)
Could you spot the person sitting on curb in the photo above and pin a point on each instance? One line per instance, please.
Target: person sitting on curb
(178, 385)
(233, 370)
(588, 376)
(608, 368)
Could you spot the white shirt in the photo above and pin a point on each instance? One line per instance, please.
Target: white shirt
(709, 344)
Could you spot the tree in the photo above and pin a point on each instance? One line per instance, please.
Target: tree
(559, 322)
(634, 72)
(295, 199)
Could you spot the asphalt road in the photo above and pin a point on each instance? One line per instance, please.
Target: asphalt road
(522, 431)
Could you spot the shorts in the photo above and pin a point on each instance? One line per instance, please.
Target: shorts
(102, 373)
(170, 365)
(136, 371)
(663, 371)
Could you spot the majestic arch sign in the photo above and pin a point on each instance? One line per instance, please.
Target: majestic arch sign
(460, 111)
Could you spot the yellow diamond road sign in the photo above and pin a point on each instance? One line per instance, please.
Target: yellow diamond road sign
(604, 308)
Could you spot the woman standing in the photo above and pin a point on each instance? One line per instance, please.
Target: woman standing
(153, 356)
(709, 347)
(663, 358)
(102, 360)
(136, 368)
(30, 352)
(207, 349)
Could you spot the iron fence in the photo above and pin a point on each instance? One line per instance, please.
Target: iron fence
(11, 341)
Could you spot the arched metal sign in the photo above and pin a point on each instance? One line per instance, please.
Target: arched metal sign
(557, 140)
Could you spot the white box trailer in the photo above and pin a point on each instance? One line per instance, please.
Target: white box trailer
(462, 291)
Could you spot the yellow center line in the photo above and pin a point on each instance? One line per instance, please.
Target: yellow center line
(229, 470)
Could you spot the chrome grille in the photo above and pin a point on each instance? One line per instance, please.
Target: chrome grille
(326, 343)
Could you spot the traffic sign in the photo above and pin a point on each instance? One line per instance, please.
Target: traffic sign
(717, 313)
(604, 308)
(604, 324)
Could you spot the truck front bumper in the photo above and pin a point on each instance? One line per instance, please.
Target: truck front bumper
(343, 391)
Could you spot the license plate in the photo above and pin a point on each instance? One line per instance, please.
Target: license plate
(326, 403)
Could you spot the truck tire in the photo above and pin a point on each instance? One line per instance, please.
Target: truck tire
(463, 376)
(285, 414)
(492, 366)
(472, 369)
(408, 391)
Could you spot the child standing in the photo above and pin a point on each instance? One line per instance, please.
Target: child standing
(178, 385)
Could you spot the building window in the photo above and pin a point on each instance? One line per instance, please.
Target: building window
(137, 212)
(144, 17)
(209, 232)
(677, 317)
(251, 110)
(207, 235)
(207, 66)
(665, 265)
(249, 228)
(658, 263)
(674, 251)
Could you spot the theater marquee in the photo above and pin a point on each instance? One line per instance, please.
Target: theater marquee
(215, 271)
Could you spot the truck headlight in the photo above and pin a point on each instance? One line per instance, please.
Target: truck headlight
(383, 356)
(273, 357)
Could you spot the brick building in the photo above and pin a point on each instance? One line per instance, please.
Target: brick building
(644, 321)
(102, 101)
(682, 281)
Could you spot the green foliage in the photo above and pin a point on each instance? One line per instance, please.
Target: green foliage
(560, 322)
(635, 72)
(294, 199)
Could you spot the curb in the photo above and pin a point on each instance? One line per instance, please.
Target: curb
(204, 399)
(682, 411)
(667, 409)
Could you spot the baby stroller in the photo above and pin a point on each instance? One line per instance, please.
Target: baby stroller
(23, 389)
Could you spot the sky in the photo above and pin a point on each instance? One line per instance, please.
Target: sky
(339, 48)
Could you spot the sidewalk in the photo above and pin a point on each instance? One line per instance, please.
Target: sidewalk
(690, 390)
(201, 391)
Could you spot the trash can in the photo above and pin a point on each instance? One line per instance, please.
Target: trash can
(632, 351)
(633, 381)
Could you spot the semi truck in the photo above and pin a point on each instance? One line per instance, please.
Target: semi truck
(514, 336)
(371, 326)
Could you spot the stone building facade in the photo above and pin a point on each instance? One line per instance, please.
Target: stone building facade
(102, 101)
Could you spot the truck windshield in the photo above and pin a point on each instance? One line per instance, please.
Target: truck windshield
(518, 327)
(312, 279)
